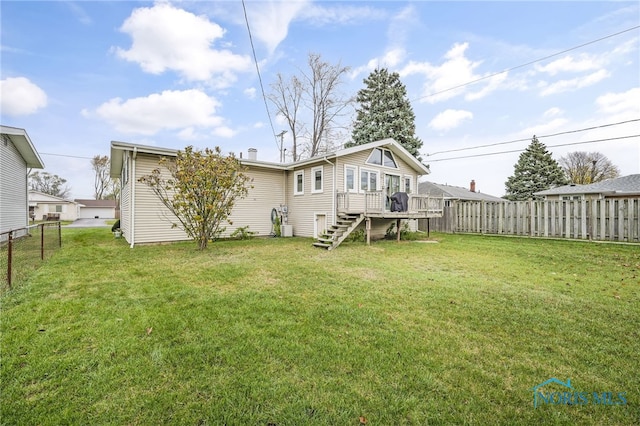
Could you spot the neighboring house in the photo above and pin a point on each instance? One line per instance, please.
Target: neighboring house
(455, 193)
(325, 197)
(96, 209)
(48, 207)
(622, 187)
(17, 157)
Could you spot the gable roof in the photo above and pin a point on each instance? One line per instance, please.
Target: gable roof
(454, 192)
(41, 197)
(96, 203)
(395, 147)
(619, 186)
(23, 144)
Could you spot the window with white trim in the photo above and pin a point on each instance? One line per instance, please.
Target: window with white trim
(368, 180)
(298, 183)
(316, 179)
(408, 184)
(382, 157)
(350, 178)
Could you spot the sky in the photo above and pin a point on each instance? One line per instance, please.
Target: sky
(77, 75)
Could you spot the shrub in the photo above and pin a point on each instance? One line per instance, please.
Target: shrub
(116, 226)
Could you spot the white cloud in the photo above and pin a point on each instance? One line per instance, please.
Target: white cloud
(391, 59)
(169, 110)
(574, 83)
(332, 14)
(224, 132)
(615, 103)
(570, 64)
(164, 37)
(443, 81)
(250, 92)
(19, 96)
(450, 119)
(541, 129)
(553, 111)
(270, 20)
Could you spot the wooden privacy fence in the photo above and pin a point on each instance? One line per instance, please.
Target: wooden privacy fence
(616, 219)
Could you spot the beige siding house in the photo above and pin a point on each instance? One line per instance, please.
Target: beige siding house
(17, 157)
(314, 197)
(48, 207)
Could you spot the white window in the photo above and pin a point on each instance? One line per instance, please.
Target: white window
(382, 157)
(408, 184)
(298, 183)
(316, 177)
(350, 176)
(368, 180)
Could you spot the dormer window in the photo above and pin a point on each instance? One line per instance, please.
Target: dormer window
(382, 157)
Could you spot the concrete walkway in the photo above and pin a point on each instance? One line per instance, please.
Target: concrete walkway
(88, 223)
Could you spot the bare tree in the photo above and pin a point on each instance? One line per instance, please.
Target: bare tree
(312, 105)
(588, 167)
(287, 96)
(102, 181)
(49, 184)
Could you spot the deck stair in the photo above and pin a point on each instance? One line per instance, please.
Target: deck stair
(336, 234)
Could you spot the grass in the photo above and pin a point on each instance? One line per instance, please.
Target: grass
(273, 331)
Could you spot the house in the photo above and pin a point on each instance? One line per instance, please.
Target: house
(622, 187)
(48, 207)
(17, 157)
(324, 197)
(97, 209)
(455, 193)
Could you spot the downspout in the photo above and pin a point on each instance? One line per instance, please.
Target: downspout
(335, 194)
(132, 201)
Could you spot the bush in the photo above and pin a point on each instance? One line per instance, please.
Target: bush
(116, 226)
(243, 233)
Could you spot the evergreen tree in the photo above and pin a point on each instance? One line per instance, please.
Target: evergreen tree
(535, 171)
(385, 112)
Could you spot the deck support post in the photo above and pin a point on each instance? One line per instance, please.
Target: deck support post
(368, 226)
(398, 228)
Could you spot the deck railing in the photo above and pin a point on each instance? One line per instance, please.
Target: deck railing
(376, 202)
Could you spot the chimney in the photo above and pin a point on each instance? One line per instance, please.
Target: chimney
(472, 186)
(253, 154)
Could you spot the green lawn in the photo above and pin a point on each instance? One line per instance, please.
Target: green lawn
(274, 331)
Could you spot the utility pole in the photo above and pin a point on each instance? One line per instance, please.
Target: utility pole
(281, 136)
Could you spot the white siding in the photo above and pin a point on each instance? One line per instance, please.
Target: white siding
(303, 208)
(153, 221)
(255, 209)
(125, 198)
(14, 210)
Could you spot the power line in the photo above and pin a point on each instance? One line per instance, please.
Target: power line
(527, 64)
(528, 139)
(520, 150)
(255, 60)
(66, 155)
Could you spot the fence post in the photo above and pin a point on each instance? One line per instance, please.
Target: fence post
(41, 241)
(60, 233)
(9, 257)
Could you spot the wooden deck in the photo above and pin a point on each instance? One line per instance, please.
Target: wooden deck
(374, 204)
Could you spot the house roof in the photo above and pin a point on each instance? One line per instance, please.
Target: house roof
(96, 203)
(453, 192)
(23, 144)
(41, 197)
(626, 185)
(399, 150)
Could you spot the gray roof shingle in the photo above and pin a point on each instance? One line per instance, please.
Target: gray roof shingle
(623, 185)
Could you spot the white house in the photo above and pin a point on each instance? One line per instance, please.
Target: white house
(324, 197)
(48, 207)
(96, 209)
(18, 156)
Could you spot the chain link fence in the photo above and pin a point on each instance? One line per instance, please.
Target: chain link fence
(23, 250)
